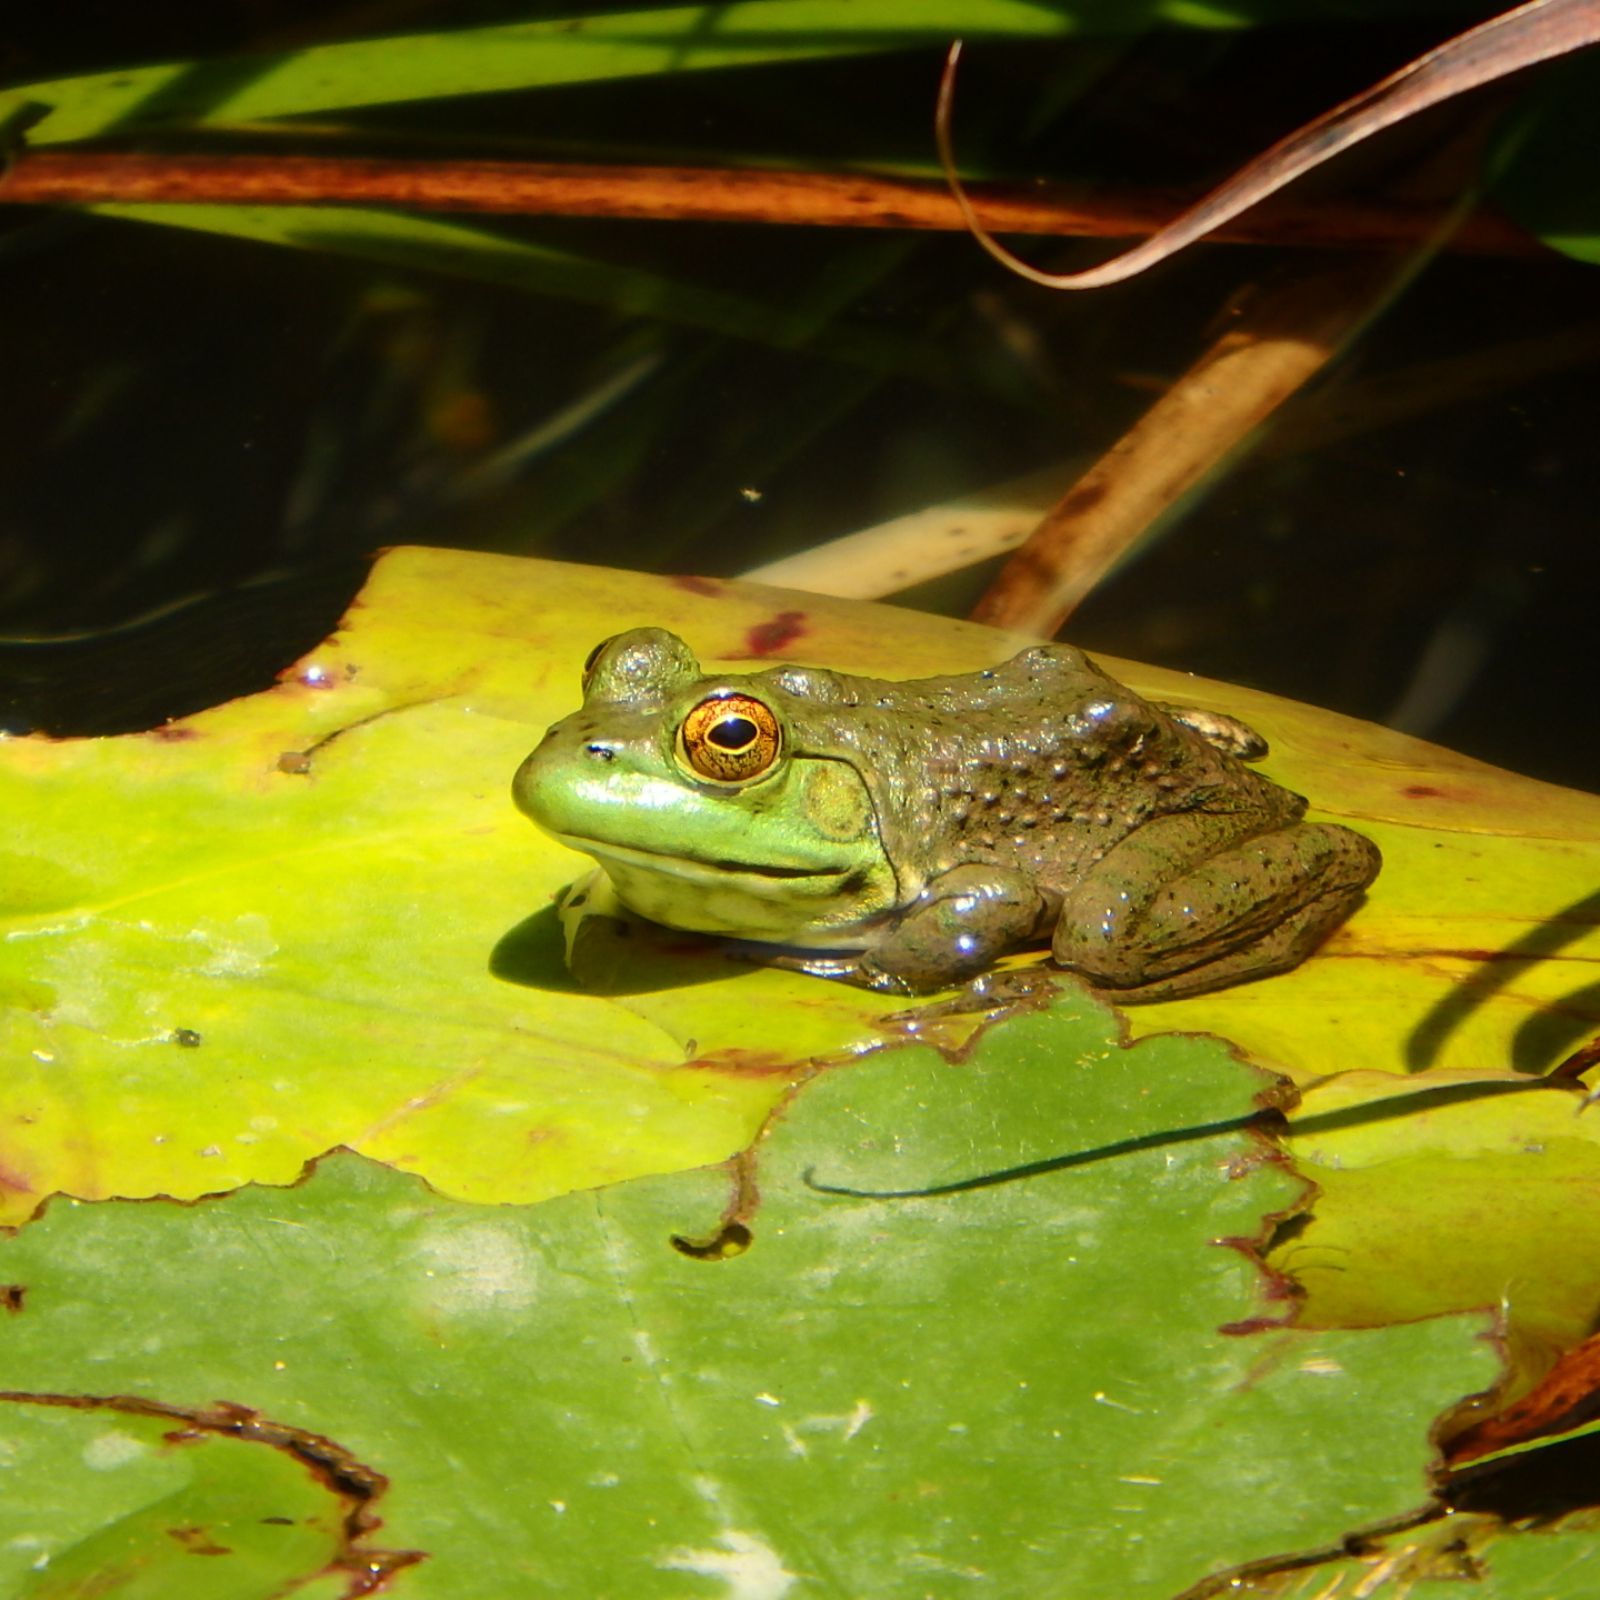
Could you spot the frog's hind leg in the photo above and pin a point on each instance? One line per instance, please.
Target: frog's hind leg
(1164, 916)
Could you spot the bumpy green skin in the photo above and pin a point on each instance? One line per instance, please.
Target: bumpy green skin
(910, 833)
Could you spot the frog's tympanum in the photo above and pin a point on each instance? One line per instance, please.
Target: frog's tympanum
(905, 835)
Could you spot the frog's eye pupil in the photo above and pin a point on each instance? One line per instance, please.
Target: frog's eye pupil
(732, 733)
(730, 738)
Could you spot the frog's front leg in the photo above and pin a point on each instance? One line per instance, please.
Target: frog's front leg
(959, 926)
(1186, 904)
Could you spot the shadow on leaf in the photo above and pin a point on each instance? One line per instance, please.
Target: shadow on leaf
(610, 956)
(1552, 1030)
(533, 955)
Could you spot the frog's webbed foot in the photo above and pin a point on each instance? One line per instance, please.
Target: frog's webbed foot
(1151, 925)
(1217, 728)
(842, 966)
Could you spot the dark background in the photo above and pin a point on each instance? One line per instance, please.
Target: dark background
(201, 440)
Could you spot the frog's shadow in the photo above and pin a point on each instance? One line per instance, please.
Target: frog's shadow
(533, 955)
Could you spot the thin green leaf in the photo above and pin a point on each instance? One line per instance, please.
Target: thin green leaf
(1547, 170)
(581, 48)
(396, 239)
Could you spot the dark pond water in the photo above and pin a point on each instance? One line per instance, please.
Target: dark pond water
(192, 419)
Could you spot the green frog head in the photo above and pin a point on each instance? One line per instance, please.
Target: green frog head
(713, 803)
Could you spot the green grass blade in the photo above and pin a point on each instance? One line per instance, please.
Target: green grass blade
(399, 240)
(559, 50)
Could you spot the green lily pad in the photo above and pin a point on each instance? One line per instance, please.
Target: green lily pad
(1562, 1563)
(113, 1497)
(996, 1324)
(313, 917)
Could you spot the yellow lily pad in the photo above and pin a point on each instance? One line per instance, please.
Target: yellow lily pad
(313, 917)
(1477, 948)
(1466, 1191)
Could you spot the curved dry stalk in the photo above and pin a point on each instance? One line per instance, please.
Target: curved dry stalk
(1275, 345)
(921, 545)
(1538, 31)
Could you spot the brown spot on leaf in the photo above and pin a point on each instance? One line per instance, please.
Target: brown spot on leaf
(739, 1063)
(697, 585)
(11, 1296)
(14, 1181)
(776, 633)
(174, 733)
(198, 1542)
(1249, 1325)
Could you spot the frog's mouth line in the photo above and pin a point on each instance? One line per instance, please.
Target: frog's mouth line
(687, 866)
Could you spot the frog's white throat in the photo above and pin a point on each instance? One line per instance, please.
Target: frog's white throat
(833, 905)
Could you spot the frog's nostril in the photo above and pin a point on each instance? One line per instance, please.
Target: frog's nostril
(601, 752)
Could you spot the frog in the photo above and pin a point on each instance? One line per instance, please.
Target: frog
(905, 835)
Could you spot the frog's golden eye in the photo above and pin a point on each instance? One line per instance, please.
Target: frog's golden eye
(729, 738)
